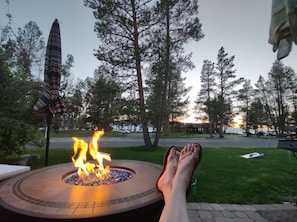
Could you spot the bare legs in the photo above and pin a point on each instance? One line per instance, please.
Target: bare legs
(175, 182)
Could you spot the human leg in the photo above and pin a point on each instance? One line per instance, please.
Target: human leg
(175, 208)
(170, 161)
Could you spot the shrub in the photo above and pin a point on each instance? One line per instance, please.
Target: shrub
(15, 134)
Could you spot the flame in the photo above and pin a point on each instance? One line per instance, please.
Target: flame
(79, 157)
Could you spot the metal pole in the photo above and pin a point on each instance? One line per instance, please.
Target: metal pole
(48, 121)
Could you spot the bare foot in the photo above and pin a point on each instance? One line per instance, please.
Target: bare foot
(189, 158)
(164, 183)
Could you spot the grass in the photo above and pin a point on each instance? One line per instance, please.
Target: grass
(227, 178)
(223, 177)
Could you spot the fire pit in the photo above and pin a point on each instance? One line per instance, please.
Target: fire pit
(124, 190)
(45, 195)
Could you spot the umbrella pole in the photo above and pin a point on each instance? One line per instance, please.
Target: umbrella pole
(48, 121)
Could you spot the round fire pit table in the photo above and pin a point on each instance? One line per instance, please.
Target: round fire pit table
(43, 195)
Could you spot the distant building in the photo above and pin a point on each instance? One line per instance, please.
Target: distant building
(195, 128)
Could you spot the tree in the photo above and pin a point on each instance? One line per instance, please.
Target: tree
(129, 109)
(179, 99)
(105, 94)
(123, 27)
(246, 97)
(293, 98)
(156, 99)
(166, 101)
(206, 94)
(177, 23)
(30, 49)
(264, 94)
(16, 100)
(225, 74)
(282, 80)
(257, 117)
(70, 95)
(277, 96)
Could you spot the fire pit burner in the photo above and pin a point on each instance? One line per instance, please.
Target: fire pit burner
(43, 195)
(116, 175)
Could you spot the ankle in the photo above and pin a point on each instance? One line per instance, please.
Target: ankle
(180, 183)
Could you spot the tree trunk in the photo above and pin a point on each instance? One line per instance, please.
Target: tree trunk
(221, 131)
(146, 136)
(167, 72)
(157, 137)
(158, 132)
(221, 135)
(210, 128)
(247, 129)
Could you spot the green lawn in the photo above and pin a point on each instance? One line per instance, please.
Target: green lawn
(223, 177)
(227, 178)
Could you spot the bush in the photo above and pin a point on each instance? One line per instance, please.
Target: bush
(14, 135)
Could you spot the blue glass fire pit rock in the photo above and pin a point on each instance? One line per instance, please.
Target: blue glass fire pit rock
(115, 176)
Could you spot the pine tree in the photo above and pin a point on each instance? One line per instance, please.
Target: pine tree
(206, 94)
(282, 80)
(123, 27)
(177, 23)
(225, 74)
(246, 97)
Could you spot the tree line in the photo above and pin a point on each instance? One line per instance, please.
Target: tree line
(139, 76)
(269, 104)
(141, 49)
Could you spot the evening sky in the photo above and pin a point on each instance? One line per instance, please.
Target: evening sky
(240, 26)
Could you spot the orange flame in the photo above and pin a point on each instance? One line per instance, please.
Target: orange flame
(79, 157)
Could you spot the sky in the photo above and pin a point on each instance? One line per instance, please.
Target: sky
(240, 26)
